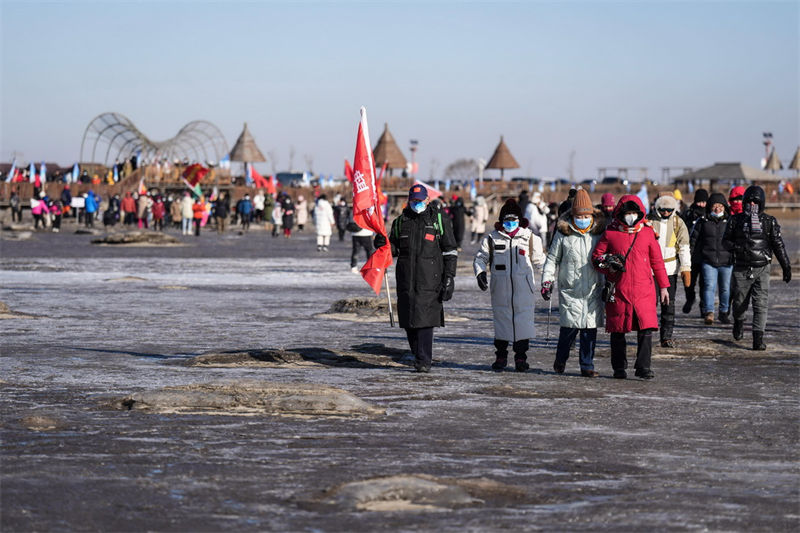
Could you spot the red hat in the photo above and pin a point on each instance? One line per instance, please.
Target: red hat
(607, 200)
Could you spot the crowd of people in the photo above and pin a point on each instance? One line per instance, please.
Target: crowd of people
(612, 263)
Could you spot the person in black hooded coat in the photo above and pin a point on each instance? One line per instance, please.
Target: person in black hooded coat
(753, 236)
(423, 242)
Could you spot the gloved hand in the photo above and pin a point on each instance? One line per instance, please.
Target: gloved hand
(483, 283)
(547, 289)
(446, 292)
(615, 263)
(379, 241)
(787, 274)
(687, 277)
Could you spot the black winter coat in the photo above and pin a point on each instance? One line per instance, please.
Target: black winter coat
(693, 213)
(755, 250)
(426, 254)
(706, 242)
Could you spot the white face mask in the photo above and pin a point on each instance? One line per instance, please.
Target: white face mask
(631, 219)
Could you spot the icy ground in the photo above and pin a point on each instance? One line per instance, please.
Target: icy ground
(711, 443)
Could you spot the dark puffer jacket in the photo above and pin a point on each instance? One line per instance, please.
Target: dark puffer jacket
(755, 250)
(706, 239)
(426, 254)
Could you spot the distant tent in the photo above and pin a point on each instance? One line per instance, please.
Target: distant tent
(729, 173)
(502, 158)
(795, 164)
(773, 162)
(245, 149)
(386, 152)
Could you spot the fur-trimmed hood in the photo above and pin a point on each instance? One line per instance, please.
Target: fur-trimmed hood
(563, 225)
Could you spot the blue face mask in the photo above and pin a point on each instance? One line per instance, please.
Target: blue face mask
(418, 207)
(716, 215)
(510, 225)
(582, 223)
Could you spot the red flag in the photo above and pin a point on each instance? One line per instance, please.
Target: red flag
(348, 171)
(258, 179)
(194, 173)
(271, 185)
(366, 209)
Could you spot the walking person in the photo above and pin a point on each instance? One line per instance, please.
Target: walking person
(187, 213)
(16, 207)
(258, 207)
(159, 213)
(128, 208)
(341, 213)
(629, 256)
(536, 213)
(673, 240)
(244, 208)
(277, 219)
(362, 240)
(287, 211)
(222, 208)
(142, 207)
(694, 213)
(56, 211)
(323, 223)
(92, 203)
(302, 213)
(509, 253)
(38, 210)
(754, 236)
(457, 212)
(580, 308)
(715, 259)
(269, 205)
(198, 212)
(480, 215)
(422, 240)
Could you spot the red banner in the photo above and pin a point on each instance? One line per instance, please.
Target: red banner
(194, 173)
(366, 206)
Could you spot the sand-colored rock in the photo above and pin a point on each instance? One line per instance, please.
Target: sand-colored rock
(359, 356)
(370, 310)
(250, 398)
(138, 238)
(7, 313)
(420, 492)
(41, 423)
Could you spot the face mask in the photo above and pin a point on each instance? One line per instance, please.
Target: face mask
(631, 219)
(418, 207)
(582, 223)
(510, 225)
(716, 215)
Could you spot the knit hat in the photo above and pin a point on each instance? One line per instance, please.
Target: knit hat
(700, 195)
(666, 202)
(511, 207)
(582, 204)
(607, 200)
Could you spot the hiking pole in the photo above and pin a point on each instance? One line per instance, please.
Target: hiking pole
(549, 312)
(388, 298)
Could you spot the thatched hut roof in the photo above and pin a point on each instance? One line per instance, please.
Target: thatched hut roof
(245, 149)
(502, 158)
(387, 151)
(773, 161)
(729, 172)
(795, 164)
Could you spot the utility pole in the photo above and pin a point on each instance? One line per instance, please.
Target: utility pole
(414, 144)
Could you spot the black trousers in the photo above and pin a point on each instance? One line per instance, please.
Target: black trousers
(520, 348)
(420, 340)
(668, 311)
(644, 350)
(361, 242)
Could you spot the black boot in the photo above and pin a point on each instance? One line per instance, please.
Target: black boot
(687, 307)
(500, 363)
(521, 363)
(738, 329)
(758, 340)
(724, 318)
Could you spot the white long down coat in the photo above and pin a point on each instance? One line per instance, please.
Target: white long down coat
(513, 289)
(579, 284)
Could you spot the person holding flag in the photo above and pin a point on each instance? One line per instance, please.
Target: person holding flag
(422, 240)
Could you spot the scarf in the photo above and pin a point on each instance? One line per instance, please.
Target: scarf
(755, 223)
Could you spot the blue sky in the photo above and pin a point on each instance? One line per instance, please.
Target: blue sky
(620, 83)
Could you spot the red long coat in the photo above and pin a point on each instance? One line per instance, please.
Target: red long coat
(636, 292)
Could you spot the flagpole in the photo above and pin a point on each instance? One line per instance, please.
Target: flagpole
(389, 298)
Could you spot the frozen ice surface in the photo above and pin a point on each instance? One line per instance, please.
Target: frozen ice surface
(711, 443)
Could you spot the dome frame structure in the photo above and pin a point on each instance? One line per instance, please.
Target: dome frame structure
(113, 137)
